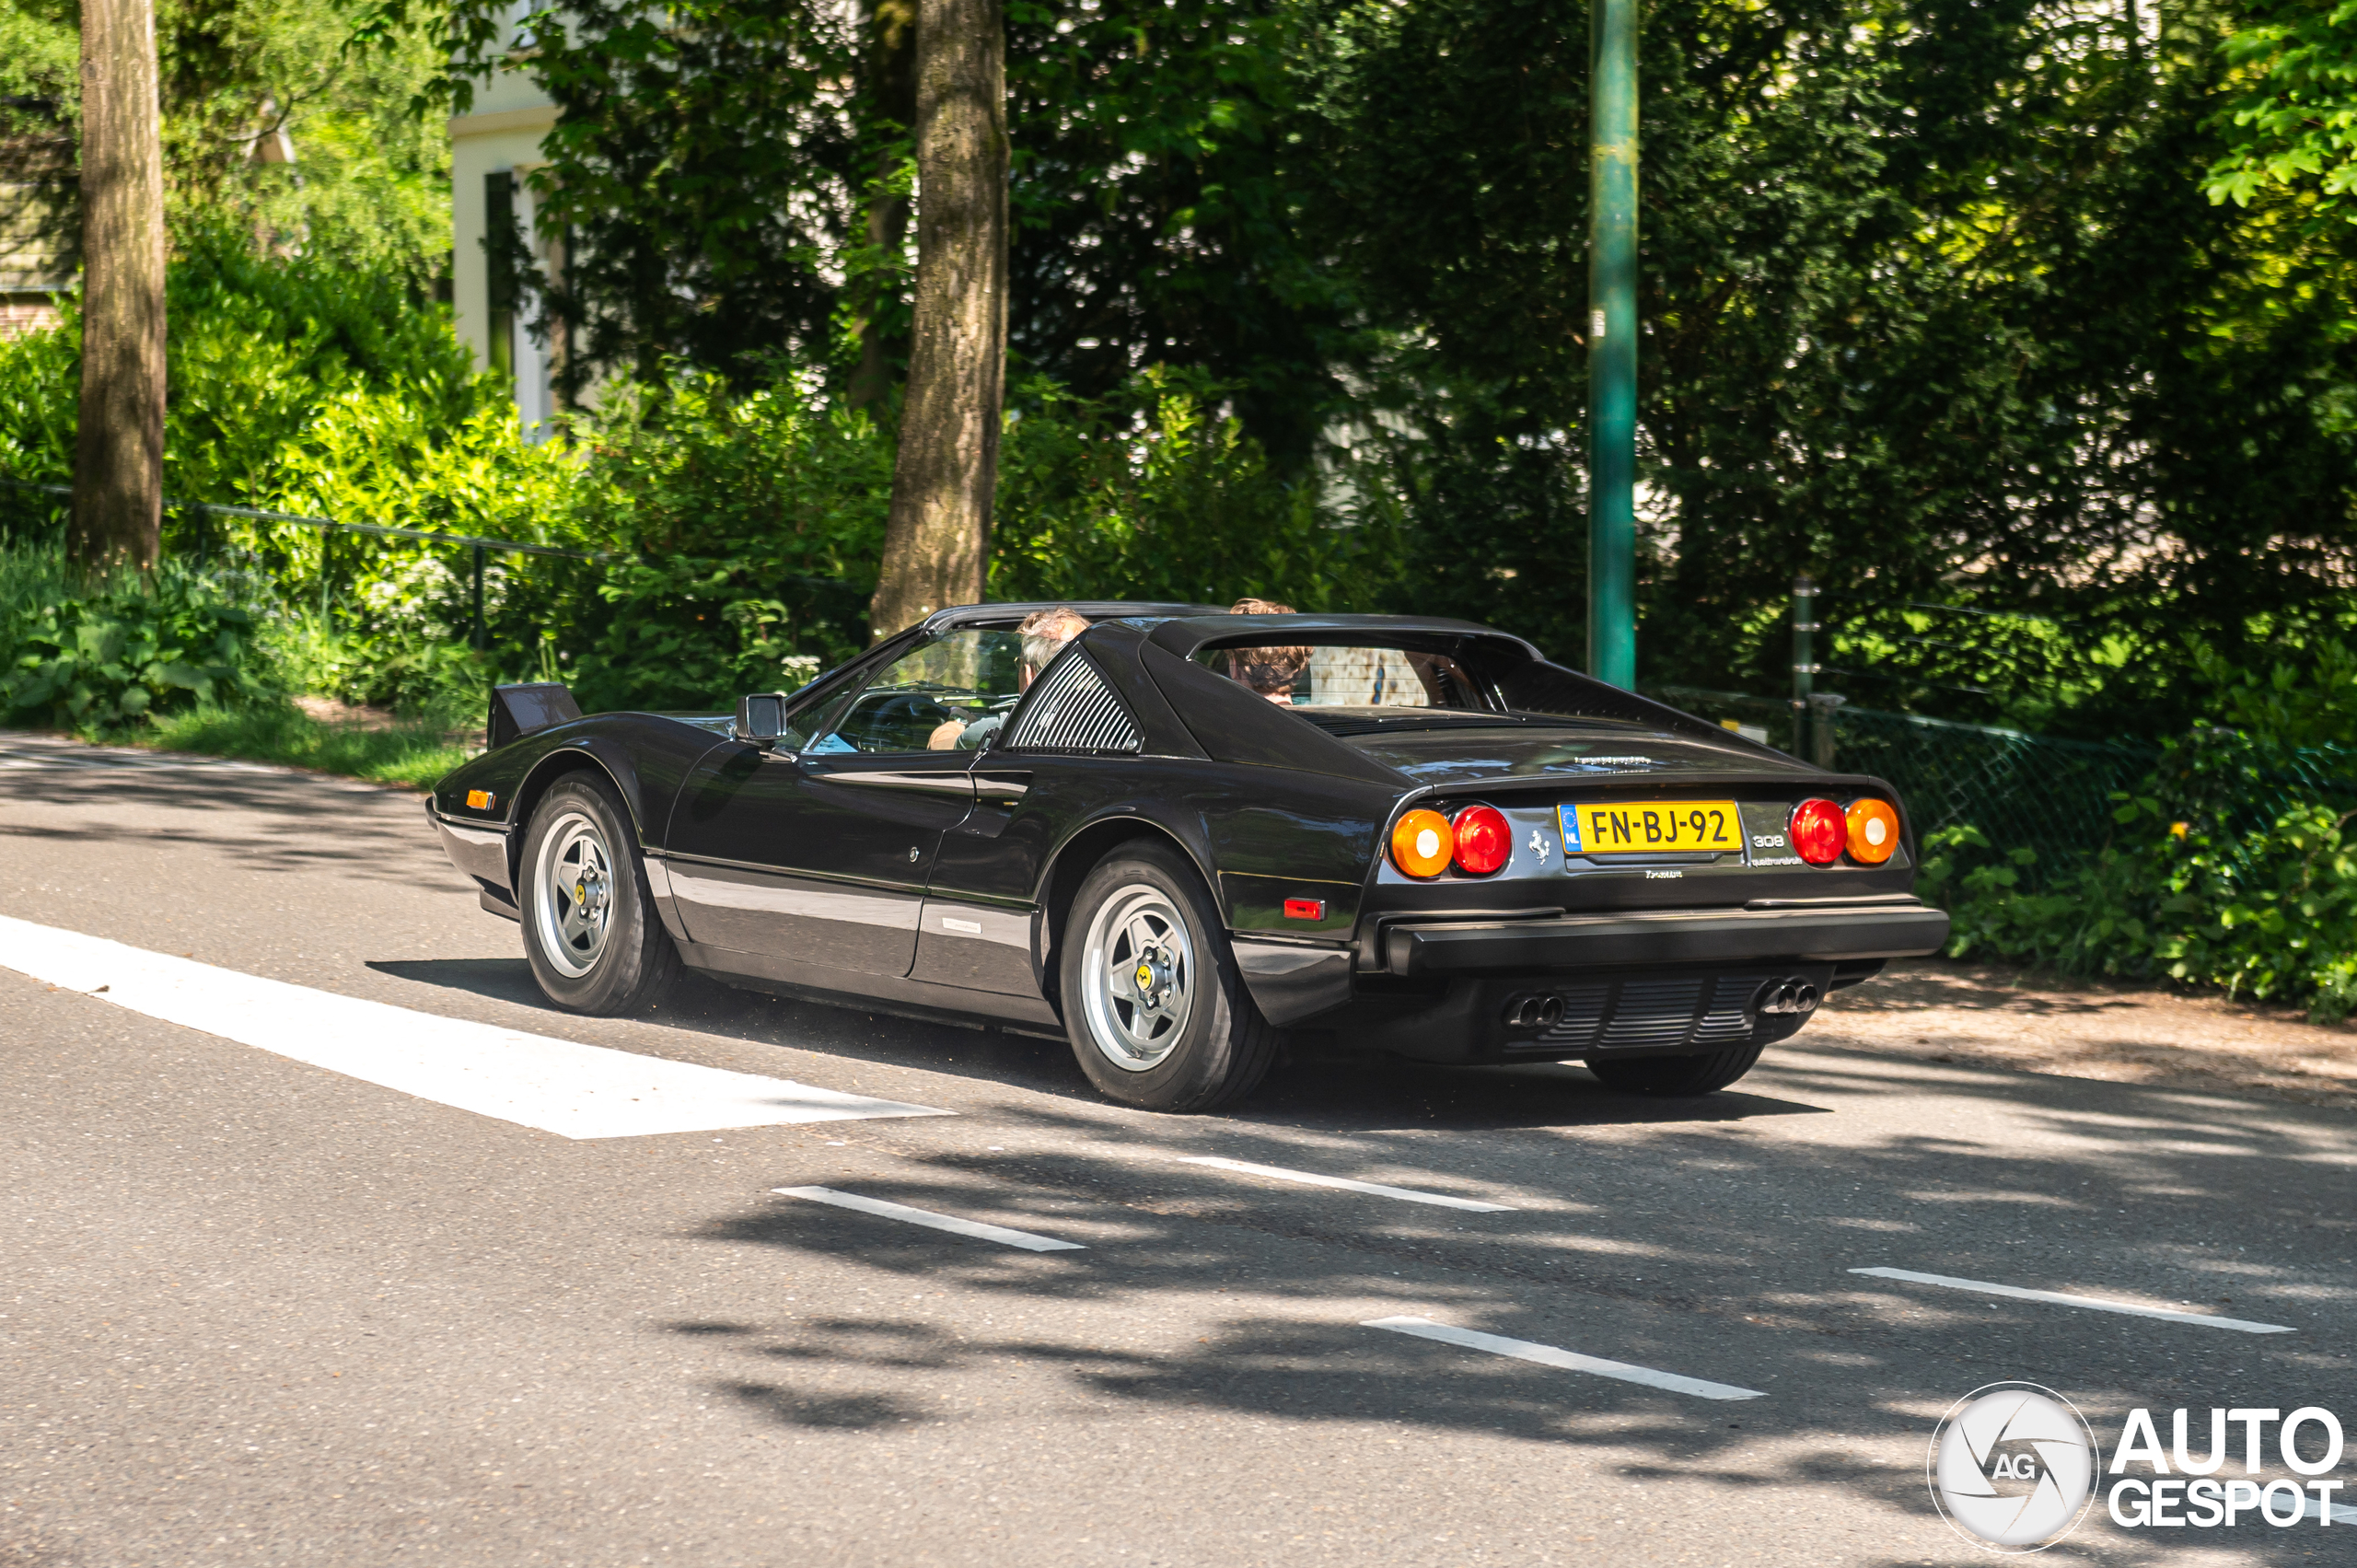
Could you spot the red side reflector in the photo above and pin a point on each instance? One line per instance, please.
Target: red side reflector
(1304, 909)
(479, 800)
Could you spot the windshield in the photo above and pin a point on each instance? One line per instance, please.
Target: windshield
(951, 692)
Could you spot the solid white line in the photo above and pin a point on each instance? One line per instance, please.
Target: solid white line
(1310, 1177)
(998, 1233)
(1548, 1355)
(2238, 1324)
(557, 1085)
(2342, 1514)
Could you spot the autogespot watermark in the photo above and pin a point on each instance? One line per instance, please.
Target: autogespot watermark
(2014, 1467)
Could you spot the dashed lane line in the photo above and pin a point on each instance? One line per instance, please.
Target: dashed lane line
(2095, 1304)
(951, 1222)
(1570, 1360)
(1311, 1178)
(557, 1085)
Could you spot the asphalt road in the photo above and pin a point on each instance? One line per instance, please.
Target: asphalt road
(254, 1311)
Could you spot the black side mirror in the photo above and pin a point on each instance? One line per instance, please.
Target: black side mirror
(760, 718)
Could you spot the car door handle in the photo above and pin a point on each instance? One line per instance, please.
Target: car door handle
(918, 780)
(1002, 788)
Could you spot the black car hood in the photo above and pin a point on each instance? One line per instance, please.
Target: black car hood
(1470, 755)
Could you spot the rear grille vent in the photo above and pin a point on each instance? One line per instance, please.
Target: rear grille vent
(1071, 709)
(1651, 1012)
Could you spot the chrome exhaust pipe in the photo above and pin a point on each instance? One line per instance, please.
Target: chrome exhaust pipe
(1541, 1010)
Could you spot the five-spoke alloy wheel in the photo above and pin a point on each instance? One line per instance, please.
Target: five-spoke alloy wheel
(1143, 967)
(1153, 1000)
(589, 927)
(573, 878)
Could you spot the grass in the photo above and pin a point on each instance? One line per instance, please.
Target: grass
(414, 752)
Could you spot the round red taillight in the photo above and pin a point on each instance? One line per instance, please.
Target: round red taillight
(1483, 840)
(1820, 829)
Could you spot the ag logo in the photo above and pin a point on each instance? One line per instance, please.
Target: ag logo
(2012, 1467)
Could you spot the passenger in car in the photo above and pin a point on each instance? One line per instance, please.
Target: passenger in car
(1044, 634)
(1270, 671)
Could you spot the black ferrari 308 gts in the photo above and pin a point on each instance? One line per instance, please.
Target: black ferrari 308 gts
(1190, 836)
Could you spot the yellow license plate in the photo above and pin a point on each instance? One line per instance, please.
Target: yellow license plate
(1652, 826)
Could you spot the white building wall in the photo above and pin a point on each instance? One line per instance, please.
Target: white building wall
(501, 135)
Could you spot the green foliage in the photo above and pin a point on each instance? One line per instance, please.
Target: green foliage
(1160, 167)
(370, 184)
(2307, 699)
(278, 371)
(1933, 308)
(2294, 129)
(89, 654)
(701, 166)
(2270, 913)
(2232, 865)
(717, 187)
(1158, 493)
(274, 730)
(745, 527)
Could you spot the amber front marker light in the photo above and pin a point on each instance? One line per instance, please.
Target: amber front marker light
(1423, 843)
(1818, 831)
(1873, 830)
(478, 799)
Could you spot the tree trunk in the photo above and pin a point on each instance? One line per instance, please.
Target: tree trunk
(935, 545)
(119, 448)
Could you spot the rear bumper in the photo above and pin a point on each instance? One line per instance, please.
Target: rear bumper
(1814, 934)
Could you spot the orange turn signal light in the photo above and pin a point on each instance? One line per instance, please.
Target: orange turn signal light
(1423, 843)
(1873, 830)
(479, 800)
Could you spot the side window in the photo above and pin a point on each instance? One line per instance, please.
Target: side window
(804, 727)
(929, 699)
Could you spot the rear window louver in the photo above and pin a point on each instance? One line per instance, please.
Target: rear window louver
(1071, 709)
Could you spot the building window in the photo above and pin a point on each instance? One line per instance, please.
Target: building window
(500, 243)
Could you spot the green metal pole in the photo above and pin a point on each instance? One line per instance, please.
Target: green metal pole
(1612, 343)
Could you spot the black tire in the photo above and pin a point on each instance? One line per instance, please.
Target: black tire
(594, 942)
(1190, 1039)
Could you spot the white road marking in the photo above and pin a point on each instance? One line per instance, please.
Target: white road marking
(2095, 1304)
(1548, 1355)
(1311, 1178)
(2342, 1514)
(976, 1228)
(557, 1085)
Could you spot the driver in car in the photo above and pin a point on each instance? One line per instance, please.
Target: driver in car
(1044, 634)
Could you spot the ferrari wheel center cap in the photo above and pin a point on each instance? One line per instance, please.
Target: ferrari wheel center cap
(1153, 977)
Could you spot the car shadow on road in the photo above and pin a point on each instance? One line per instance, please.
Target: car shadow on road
(1335, 1095)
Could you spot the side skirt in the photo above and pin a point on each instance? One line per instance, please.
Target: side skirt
(874, 993)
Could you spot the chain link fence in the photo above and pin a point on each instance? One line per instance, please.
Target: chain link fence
(2038, 791)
